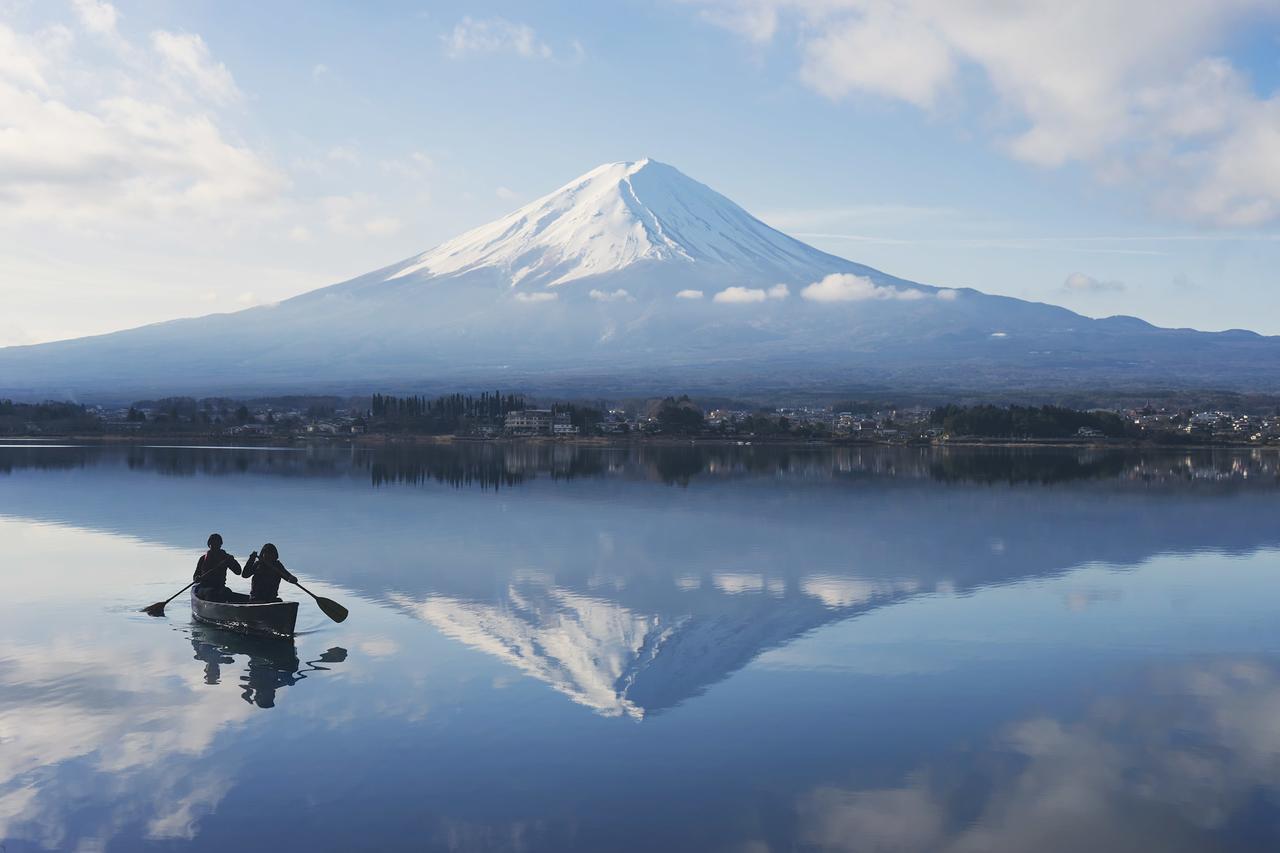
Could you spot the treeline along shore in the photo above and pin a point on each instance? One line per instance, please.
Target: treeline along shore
(495, 415)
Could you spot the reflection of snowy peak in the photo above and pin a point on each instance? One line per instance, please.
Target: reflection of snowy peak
(618, 662)
(586, 648)
(614, 216)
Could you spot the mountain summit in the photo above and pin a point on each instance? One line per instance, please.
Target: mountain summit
(613, 217)
(633, 278)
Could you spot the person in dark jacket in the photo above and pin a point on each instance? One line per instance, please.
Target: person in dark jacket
(211, 570)
(267, 571)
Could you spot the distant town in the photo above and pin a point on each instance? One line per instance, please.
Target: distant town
(497, 416)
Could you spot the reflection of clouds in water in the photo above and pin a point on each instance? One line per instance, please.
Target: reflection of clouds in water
(121, 725)
(378, 647)
(838, 592)
(1080, 600)
(737, 583)
(1165, 769)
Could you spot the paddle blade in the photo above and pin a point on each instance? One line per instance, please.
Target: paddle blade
(156, 609)
(332, 609)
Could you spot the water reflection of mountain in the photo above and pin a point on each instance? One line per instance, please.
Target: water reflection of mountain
(632, 579)
(619, 661)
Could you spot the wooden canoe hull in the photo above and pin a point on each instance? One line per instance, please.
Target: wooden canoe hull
(274, 619)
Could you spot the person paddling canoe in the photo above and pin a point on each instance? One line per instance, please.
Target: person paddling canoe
(211, 570)
(267, 571)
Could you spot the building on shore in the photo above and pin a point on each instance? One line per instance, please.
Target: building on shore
(539, 422)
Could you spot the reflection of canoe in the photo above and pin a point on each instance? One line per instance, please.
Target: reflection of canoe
(275, 618)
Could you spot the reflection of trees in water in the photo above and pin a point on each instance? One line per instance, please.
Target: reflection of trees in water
(488, 466)
(1023, 466)
(187, 461)
(272, 663)
(22, 458)
(494, 465)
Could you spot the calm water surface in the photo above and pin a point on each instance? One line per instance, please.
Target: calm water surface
(556, 648)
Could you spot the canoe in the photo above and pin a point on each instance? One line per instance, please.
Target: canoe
(270, 619)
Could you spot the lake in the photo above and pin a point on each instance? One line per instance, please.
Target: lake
(646, 648)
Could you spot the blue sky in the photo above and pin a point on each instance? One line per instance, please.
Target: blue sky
(165, 159)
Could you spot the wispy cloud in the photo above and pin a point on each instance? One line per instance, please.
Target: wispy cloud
(96, 16)
(355, 215)
(416, 165)
(495, 35)
(689, 294)
(1078, 282)
(186, 57)
(537, 296)
(856, 216)
(344, 154)
(619, 295)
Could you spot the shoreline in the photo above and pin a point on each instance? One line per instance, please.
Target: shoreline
(386, 440)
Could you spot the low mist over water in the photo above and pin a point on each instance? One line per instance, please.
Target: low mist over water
(559, 647)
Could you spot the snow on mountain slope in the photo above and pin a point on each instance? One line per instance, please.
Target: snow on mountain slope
(615, 216)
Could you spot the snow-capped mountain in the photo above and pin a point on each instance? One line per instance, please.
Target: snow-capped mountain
(617, 215)
(636, 277)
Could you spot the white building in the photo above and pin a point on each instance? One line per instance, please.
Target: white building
(529, 422)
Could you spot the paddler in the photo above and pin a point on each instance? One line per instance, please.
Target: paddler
(267, 571)
(211, 570)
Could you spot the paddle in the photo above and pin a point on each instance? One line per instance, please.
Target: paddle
(331, 608)
(157, 609)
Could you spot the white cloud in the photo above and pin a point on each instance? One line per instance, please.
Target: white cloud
(689, 294)
(1078, 282)
(888, 50)
(618, 295)
(846, 287)
(739, 295)
(948, 295)
(383, 226)
(416, 165)
(319, 70)
(186, 57)
(539, 296)
(103, 144)
(344, 154)
(97, 17)
(353, 215)
(299, 234)
(756, 20)
(1061, 83)
(495, 35)
(505, 194)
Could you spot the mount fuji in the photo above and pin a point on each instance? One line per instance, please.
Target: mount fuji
(635, 277)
